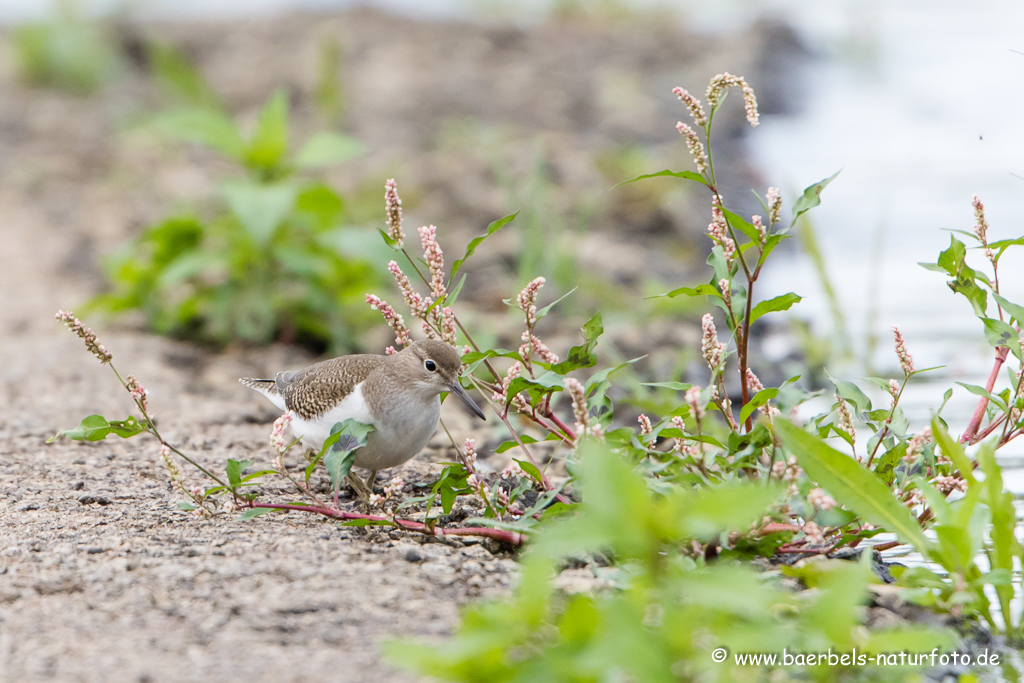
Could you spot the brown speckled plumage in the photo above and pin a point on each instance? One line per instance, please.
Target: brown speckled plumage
(314, 390)
(399, 395)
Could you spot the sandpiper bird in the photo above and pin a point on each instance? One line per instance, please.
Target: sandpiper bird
(398, 394)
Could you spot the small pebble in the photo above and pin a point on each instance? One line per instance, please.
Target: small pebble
(89, 500)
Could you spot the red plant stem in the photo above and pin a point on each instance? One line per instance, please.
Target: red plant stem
(970, 434)
(561, 425)
(742, 352)
(886, 546)
(786, 548)
(511, 537)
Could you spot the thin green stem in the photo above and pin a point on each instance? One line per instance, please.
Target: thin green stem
(888, 421)
(742, 352)
(151, 428)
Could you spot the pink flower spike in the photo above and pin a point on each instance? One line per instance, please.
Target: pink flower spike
(693, 400)
(693, 105)
(906, 360)
(694, 146)
(434, 257)
(722, 82)
(981, 225)
(86, 334)
(416, 303)
(774, 201)
(448, 326)
(277, 433)
(393, 319)
(138, 392)
(527, 300)
(712, 349)
(645, 424)
(393, 208)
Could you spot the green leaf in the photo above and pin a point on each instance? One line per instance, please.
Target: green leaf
(850, 392)
(365, 522)
(322, 204)
(687, 175)
(186, 267)
(477, 241)
(340, 454)
(389, 240)
(884, 468)
(326, 148)
(234, 471)
(260, 208)
(548, 383)
(269, 143)
(531, 470)
(451, 297)
(759, 399)
(256, 512)
(852, 485)
(526, 439)
(999, 333)
(953, 261)
(179, 75)
(449, 485)
(779, 303)
(811, 196)
(699, 290)
(675, 386)
(204, 126)
(953, 451)
(981, 391)
(739, 223)
(473, 359)
(544, 311)
(582, 356)
(1013, 309)
(1005, 545)
(97, 428)
(705, 513)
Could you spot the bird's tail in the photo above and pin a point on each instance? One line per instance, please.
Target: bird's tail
(261, 385)
(268, 388)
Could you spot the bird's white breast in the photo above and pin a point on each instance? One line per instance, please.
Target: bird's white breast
(315, 431)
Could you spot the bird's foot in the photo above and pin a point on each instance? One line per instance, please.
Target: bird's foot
(362, 490)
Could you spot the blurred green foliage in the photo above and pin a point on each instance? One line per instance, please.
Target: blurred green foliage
(276, 261)
(68, 53)
(664, 611)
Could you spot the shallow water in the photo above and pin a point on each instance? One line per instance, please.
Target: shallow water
(918, 103)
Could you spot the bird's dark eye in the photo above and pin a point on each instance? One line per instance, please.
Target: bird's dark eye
(430, 365)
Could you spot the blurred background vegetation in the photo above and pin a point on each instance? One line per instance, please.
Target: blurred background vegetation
(249, 162)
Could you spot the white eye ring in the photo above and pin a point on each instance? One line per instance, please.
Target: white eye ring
(430, 365)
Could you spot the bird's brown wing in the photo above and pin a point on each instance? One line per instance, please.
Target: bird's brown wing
(318, 388)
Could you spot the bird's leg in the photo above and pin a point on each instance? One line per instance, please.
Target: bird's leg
(370, 480)
(359, 487)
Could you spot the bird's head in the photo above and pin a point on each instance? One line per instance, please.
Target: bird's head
(436, 366)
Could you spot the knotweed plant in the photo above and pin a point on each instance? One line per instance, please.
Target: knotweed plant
(736, 467)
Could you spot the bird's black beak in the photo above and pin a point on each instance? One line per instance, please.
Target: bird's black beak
(457, 389)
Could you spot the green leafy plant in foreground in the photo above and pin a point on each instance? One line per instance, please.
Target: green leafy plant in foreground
(275, 262)
(662, 612)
